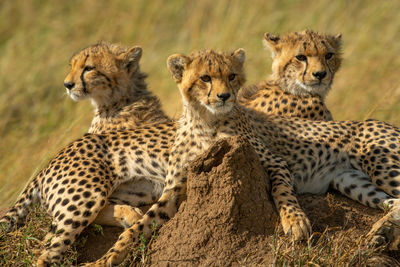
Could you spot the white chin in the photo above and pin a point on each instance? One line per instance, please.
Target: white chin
(219, 110)
(75, 96)
(305, 87)
(314, 89)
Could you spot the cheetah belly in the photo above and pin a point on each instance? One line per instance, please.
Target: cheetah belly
(317, 182)
(138, 191)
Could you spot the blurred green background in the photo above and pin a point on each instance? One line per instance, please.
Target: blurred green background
(37, 38)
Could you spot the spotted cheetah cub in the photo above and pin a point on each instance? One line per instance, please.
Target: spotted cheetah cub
(109, 75)
(303, 67)
(360, 159)
(209, 83)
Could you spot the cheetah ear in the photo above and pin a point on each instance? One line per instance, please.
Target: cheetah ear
(131, 58)
(271, 42)
(337, 40)
(240, 55)
(176, 65)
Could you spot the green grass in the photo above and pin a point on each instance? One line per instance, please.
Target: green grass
(20, 247)
(37, 39)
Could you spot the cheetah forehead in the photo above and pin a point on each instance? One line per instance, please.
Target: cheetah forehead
(99, 50)
(213, 63)
(310, 42)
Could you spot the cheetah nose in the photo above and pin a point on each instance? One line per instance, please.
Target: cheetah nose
(224, 96)
(319, 74)
(69, 85)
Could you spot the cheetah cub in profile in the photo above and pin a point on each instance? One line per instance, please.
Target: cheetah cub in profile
(303, 67)
(109, 75)
(359, 159)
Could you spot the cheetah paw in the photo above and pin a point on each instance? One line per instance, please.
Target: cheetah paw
(127, 215)
(386, 231)
(298, 227)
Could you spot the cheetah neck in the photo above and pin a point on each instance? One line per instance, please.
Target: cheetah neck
(128, 109)
(204, 125)
(134, 102)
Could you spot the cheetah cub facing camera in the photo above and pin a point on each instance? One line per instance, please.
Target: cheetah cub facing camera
(209, 83)
(303, 67)
(359, 159)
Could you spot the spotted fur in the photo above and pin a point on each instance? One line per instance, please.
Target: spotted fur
(360, 159)
(109, 75)
(303, 67)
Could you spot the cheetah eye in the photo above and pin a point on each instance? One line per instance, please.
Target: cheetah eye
(88, 68)
(232, 77)
(205, 78)
(328, 56)
(301, 57)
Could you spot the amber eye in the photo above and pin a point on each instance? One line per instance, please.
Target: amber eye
(328, 56)
(232, 77)
(301, 57)
(205, 78)
(88, 68)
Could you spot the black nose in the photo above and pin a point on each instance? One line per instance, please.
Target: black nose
(224, 96)
(69, 85)
(319, 74)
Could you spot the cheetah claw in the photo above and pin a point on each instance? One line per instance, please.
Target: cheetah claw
(386, 231)
(298, 227)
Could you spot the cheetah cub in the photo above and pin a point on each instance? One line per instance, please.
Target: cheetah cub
(359, 159)
(109, 75)
(209, 83)
(303, 67)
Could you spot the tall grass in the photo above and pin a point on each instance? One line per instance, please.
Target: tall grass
(37, 39)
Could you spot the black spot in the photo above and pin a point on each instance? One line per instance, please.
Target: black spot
(76, 224)
(163, 216)
(71, 208)
(90, 204)
(376, 200)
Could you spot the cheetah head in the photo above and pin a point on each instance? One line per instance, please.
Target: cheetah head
(102, 71)
(304, 63)
(209, 81)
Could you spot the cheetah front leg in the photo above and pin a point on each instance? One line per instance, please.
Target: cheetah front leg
(294, 220)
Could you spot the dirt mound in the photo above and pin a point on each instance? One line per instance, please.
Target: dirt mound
(227, 216)
(228, 220)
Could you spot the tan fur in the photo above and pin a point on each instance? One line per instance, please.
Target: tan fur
(298, 76)
(292, 90)
(109, 75)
